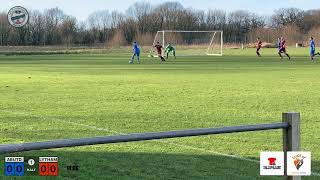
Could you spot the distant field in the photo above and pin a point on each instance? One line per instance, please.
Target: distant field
(70, 96)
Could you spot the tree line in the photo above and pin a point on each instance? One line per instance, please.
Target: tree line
(142, 20)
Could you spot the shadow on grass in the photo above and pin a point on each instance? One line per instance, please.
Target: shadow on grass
(125, 165)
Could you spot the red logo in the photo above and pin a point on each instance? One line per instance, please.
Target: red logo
(272, 164)
(272, 161)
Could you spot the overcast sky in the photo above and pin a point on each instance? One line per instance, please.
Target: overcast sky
(82, 8)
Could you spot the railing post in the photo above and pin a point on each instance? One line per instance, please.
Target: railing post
(291, 138)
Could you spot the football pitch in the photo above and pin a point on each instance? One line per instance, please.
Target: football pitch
(49, 97)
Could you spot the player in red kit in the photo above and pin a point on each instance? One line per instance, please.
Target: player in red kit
(258, 46)
(159, 48)
(282, 48)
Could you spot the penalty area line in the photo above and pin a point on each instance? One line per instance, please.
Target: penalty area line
(163, 142)
(174, 144)
(158, 141)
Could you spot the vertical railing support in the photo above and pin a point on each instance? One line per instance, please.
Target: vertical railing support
(291, 138)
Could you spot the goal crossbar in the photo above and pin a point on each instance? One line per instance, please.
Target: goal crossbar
(190, 31)
(213, 46)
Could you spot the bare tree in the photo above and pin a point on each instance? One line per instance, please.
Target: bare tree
(4, 29)
(68, 29)
(100, 23)
(142, 20)
(287, 16)
(53, 18)
(129, 29)
(116, 19)
(216, 19)
(140, 11)
(311, 20)
(37, 28)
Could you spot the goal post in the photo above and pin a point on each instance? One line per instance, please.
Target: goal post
(191, 43)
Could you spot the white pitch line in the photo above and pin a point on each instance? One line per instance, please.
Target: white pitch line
(88, 126)
(159, 141)
(170, 143)
(175, 144)
(210, 151)
(315, 174)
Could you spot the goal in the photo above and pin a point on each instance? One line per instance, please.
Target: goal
(191, 43)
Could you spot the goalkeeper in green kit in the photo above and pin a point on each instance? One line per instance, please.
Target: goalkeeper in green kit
(169, 48)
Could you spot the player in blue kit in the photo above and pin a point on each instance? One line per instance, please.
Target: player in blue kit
(312, 49)
(136, 52)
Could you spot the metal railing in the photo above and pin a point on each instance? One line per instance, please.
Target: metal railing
(290, 125)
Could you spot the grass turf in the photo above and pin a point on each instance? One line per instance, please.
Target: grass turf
(71, 96)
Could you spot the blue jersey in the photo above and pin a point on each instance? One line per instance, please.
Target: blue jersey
(136, 48)
(312, 45)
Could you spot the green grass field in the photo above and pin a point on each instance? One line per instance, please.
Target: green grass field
(72, 96)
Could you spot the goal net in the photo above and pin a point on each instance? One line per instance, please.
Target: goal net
(191, 43)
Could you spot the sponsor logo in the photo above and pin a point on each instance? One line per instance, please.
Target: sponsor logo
(298, 163)
(271, 163)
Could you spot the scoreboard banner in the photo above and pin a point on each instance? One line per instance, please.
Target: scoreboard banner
(31, 166)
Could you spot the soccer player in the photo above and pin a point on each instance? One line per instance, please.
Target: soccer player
(282, 48)
(159, 48)
(169, 49)
(279, 44)
(136, 52)
(258, 46)
(313, 49)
